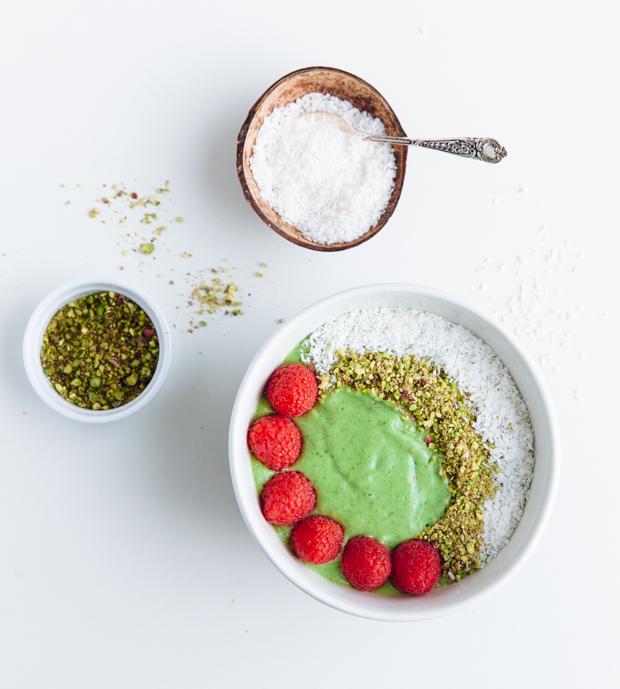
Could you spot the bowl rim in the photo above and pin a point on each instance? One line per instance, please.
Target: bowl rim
(238, 446)
(306, 243)
(41, 317)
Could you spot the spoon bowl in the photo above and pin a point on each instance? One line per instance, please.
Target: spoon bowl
(325, 80)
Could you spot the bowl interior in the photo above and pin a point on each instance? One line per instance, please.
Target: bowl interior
(33, 341)
(287, 90)
(531, 386)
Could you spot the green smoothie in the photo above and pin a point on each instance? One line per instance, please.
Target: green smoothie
(372, 471)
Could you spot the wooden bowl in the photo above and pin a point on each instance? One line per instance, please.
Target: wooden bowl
(288, 89)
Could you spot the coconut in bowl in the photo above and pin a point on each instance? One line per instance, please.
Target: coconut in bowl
(308, 181)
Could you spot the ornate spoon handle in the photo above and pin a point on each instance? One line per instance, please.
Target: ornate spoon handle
(487, 150)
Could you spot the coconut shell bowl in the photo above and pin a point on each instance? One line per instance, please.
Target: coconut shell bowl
(287, 90)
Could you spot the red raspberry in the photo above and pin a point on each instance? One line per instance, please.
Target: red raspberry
(276, 441)
(317, 540)
(417, 566)
(287, 498)
(292, 390)
(366, 563)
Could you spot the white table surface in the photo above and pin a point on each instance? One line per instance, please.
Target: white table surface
(124, 561)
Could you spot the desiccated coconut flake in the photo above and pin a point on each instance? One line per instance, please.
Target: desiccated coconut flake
(330, 184)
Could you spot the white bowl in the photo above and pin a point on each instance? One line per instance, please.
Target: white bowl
(544, 484)
(33, 339)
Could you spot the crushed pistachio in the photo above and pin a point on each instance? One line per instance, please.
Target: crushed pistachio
(101, 351)
(147, 248)
(214, 296)
(437, 405)
(179, 219)
(94, 213)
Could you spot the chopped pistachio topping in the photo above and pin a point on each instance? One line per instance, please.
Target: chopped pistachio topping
(147, 248)
(100, 352)
(437, 405)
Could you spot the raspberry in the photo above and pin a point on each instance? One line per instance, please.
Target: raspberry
(276, 441)
(287, 498)
(317, 540)
(366, 563)
(292, 390)
(417, 566)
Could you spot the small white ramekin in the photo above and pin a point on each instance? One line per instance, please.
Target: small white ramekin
(33, 339)
(544, 483)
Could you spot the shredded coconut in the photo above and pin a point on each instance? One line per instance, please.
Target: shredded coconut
(502, 416)
(330, 184)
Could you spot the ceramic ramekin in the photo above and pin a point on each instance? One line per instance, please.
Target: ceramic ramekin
(544, 484)
(33, 339)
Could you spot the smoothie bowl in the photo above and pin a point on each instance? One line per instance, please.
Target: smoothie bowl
(431, 431)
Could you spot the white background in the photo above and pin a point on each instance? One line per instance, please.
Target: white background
(124, 561)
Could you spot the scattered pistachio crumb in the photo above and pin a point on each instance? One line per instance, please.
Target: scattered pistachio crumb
(214, 296)
(94, 212)
(281, 320)
(147, 248)
(179, 219)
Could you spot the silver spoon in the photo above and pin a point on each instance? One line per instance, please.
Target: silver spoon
(487, 150)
